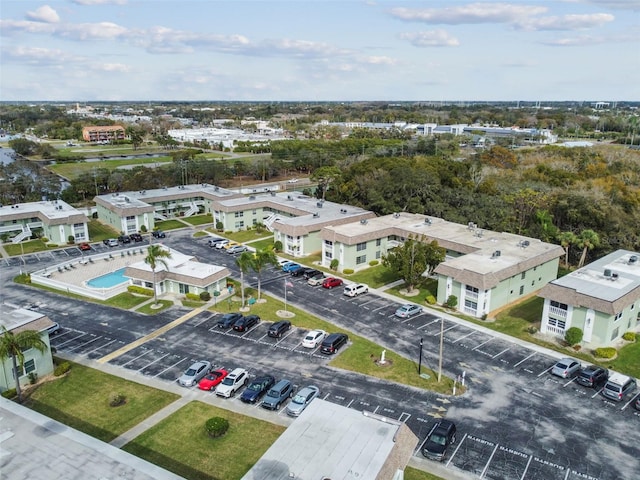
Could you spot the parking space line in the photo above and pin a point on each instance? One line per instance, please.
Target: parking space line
(489, 461)
(597, 393)
(201, 322)
(569, 382)
(98, 348)
(524, 360)
(464, 336)
(566, 475)
(455, 451)
(169, 368)
(527, 467)
(628, 403)
(326, 396)
(380, 308)
(156, 360)
(478, 346)
(68, 341)
(430, 323)
(85, 343)
(404, 414)
(545, 371)
(134, 359)
(498, 354)
(446, 330)
(349, 404)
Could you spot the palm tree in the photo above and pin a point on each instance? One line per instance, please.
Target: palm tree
(245, 262)
(587, 240)
(156, 256)
(566, 240)
(262, 259)
(12, 345)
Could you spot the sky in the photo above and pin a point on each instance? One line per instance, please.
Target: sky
(319, 50)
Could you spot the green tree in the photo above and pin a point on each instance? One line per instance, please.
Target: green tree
(414, 258)
(567, 239)
(12, 345)
(325, 176)
(136, 135)
(245, 261)
(587, 240)
(22, 146)
(156, 256)
(261, 260)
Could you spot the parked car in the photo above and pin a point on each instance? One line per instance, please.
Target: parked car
(313, 338)
(228, 320)
(301, 400)
(618, 386)
(245, 323)
(355, 289)
(213, 242)
(257, 388)
(331, 282)
(441, 435)
(332, 343)
(237, 249)
(299, 272)
(566, 368)
(316, 280)
(408, 310)
(158, 234)
(277, 394)
(290, 267)
(311, 272)
(84, 246)
(124, 239)
(194, 373)
(136, 237)
(637, 403)
(53, 329)
(229, 245)
(232, 383)
(593, 376)
(111, 242)
(222, 243)
(212, 379)
(278, 328)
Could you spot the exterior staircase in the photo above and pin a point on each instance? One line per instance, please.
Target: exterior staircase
(24, 234)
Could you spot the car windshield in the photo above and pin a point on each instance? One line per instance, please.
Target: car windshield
(562, 365)
(438, 439)
(227, 381)
(256, 387)
(214, 375)
(191, 372)
(299, 399)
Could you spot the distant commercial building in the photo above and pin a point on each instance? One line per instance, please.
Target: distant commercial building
(56, 220)
(602, 299)
(103, 133)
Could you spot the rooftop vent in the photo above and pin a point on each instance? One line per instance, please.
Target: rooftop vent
(252, 197)
(319, 204)
(479, 233)
(396, 215)
(216, 189)
(471, 226)
(633, 259)
(524, 243)
(614, 276)
(496, 254)
(316, 215)
(289, 197)
(343, 210)
(364, 221)
(273, 194)
(427, 221)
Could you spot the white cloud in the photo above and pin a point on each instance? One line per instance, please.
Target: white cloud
(579, 41)
(566, 22)
(86, 31)
(100, 2)
(111, 67)
(432, 38)
(44, 14)
(38, 56)
(612, 4)
(472, 13)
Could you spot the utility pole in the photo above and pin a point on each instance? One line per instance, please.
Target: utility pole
(441, 346)
(420, 359)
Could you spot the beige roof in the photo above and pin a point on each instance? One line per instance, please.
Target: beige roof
(16, 319)
(55, 212)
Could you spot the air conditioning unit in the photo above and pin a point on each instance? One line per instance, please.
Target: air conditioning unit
(607, 272)
(396, 215)
(427, 221)
(316, 215)
(252, 197)
(343, 210)
(289, 197)
(364, 221)
(319, 204)
(273, 194)
(496, 254)
(633, 259)
(614, 276)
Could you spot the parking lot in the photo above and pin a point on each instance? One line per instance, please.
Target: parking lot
(515, 421)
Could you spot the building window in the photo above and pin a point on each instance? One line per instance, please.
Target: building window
(361, 259)
(184, 288)
(361, 246)
(255, 221)
(378, 255)
(524, 274)
(29, 366)
(469, 288)
(617, 317)
(240, 224)
(521, 289)
(378, 242)
(328, 255)
(615, 333)
(562, 306)
(470, 305)
(555, 322)
(328, 243)
(633, 305)
(255, 212)
(239, 214)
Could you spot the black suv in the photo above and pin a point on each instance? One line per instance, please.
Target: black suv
(136, 237)
(299, 272)
(593, 376)
(311, 272)
(440, 437)
(333, 342)
(228, 320)
(257, 389)
(159, 234)
(277, 329)
(245, 323)
(124, 239)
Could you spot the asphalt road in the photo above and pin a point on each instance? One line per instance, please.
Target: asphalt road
(516, 421)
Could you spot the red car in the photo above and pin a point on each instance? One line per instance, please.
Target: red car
(212, 379)
(84, 246)
(331, 282)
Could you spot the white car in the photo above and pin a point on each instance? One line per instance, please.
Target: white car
(232, 382)
(221, 244)
(355, 289)
(301, 400)
(293, 180)
(314, 338)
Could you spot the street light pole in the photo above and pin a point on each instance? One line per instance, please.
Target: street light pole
(441, 346)
(420, 359)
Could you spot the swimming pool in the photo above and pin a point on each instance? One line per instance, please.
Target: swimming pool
(108, 280)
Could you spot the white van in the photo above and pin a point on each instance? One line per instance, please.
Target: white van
(355, 289)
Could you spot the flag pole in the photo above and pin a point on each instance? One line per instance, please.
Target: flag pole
(285, 294)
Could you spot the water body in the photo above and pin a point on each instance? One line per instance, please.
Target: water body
(108, 280)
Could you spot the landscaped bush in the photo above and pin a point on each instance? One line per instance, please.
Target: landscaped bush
(117, 399)
(277, 246)
(629, 336)
(44, 239)
(573, 336)
(140, 290)
(205, 296)
(61, 369)
(605, 352)
(143, 228)
(347, 271)
(71, 239)
(373, 263)
(216, 426)
(33, 378)
(431, 300)
(52, 245)
(193, 296)
(451, 302)
(532, 330)
(10, 393)
(334, 264)
(219, 226)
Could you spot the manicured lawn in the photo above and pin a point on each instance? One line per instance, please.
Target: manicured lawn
(125, 300)
(99, 231)
(169, 225)
(146, 309)
(30, 246)
(375, 277)
(180, 443)
(248, 235)
(73, 170)
(430, 288)
(415, 474)
(80, 399)
(262, 244)
(628, 360)
(198, 219)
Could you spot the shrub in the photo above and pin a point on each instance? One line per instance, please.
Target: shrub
(44, 239)
(605, 352)
(451, 302)
(219, 226)
(10, 393)
(277, 246)
(71, 239)
(216, 426)
(532, 330)
(33, 378)
(117, 399)
(205, 296)
(347, 271)
(334, 264)
(193, 296)
(373, 263)
(431, 300)
(143, 229)
(61, 369)
(52, 245)
(573, 336)
(140, 290)
(629, 336)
